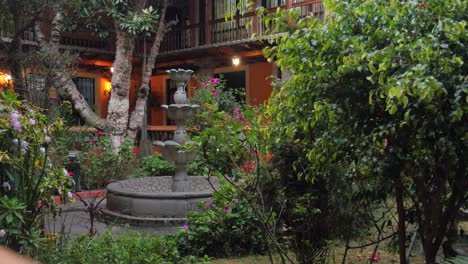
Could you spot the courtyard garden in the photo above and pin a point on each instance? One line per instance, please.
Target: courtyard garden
(359, 155)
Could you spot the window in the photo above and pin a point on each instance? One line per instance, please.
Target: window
(36, 85)
(235, 82)
(87, 88)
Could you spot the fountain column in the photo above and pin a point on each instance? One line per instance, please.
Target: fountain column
(180, 112)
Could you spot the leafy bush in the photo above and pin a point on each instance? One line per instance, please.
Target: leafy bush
(156, 165)
(129, 249)
(28, 178)
(225, 227)
(101, 165)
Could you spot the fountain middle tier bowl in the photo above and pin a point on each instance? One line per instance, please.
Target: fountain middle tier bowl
(149, 201)
(171, 151)
(181, 111)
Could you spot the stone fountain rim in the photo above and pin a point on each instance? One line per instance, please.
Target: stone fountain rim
(116, 188)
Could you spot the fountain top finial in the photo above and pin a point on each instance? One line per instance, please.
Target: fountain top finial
(180, 75)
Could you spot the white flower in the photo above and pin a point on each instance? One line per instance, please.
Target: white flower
(24, 144)
(2, 233)
(32, 121)
(69, 195)
(42, 149)
(6, 186)
(47, 139)
(65, 172)
(15, 141)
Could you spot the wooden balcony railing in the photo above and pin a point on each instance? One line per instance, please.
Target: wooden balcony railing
(182, 37)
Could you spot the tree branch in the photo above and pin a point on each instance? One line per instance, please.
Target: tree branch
(136, 117)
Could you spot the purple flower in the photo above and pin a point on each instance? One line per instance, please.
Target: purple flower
(16, 125)
(215, 91)
(214, 81)
(185, 227)
(2, 233)
(69, 195)
(236, 111)
(241, 116)
(14, 115)
(236, 201)
(208, 204)
(32, 121)
(47, 139)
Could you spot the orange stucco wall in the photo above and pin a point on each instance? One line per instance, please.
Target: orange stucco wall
(259, 83)
(157, 98)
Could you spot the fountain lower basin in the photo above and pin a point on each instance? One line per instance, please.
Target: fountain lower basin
(149, 201)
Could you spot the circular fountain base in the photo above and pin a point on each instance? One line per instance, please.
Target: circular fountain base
(149, 201)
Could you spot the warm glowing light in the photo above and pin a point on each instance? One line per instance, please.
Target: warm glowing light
(8, 77)
(112, 69)
(235, 60)
(107, 89)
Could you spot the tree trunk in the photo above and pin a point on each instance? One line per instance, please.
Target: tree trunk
(401, 217)
(136, 118)
(118, 111)
(16, 51)
(63, 80)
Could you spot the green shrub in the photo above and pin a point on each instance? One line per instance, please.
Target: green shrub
(225, 227)
(156, 165)
(101, 165)
(128, 249)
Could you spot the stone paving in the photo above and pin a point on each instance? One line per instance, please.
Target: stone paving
(73, 220)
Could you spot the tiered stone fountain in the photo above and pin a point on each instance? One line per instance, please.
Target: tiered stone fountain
(163, 200)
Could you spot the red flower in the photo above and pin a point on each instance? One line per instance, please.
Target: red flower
(100, 133)
(70, 173)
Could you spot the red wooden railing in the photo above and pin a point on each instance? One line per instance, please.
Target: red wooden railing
(205, 33)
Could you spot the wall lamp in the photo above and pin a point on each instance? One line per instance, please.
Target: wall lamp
(236, 61)
(107, 89)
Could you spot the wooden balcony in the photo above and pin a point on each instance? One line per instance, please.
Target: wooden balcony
(207, 32)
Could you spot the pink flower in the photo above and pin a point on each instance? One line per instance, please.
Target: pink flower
(185, 227)
(241, 116)
(236, 201)
(214, 81)
(47, 139)
(227, 208)
(236, 111)
(215, 91)
(70, 173)
(2, 233)
(100, 133)
(208, 204)
(32, 121)
(70, 195)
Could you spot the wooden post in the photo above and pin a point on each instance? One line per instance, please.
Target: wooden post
(289, 4)
(208, 25)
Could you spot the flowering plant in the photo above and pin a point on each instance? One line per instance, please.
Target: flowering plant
(28, 177)
(225, 226)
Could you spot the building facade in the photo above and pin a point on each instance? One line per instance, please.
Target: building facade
(202, 40)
